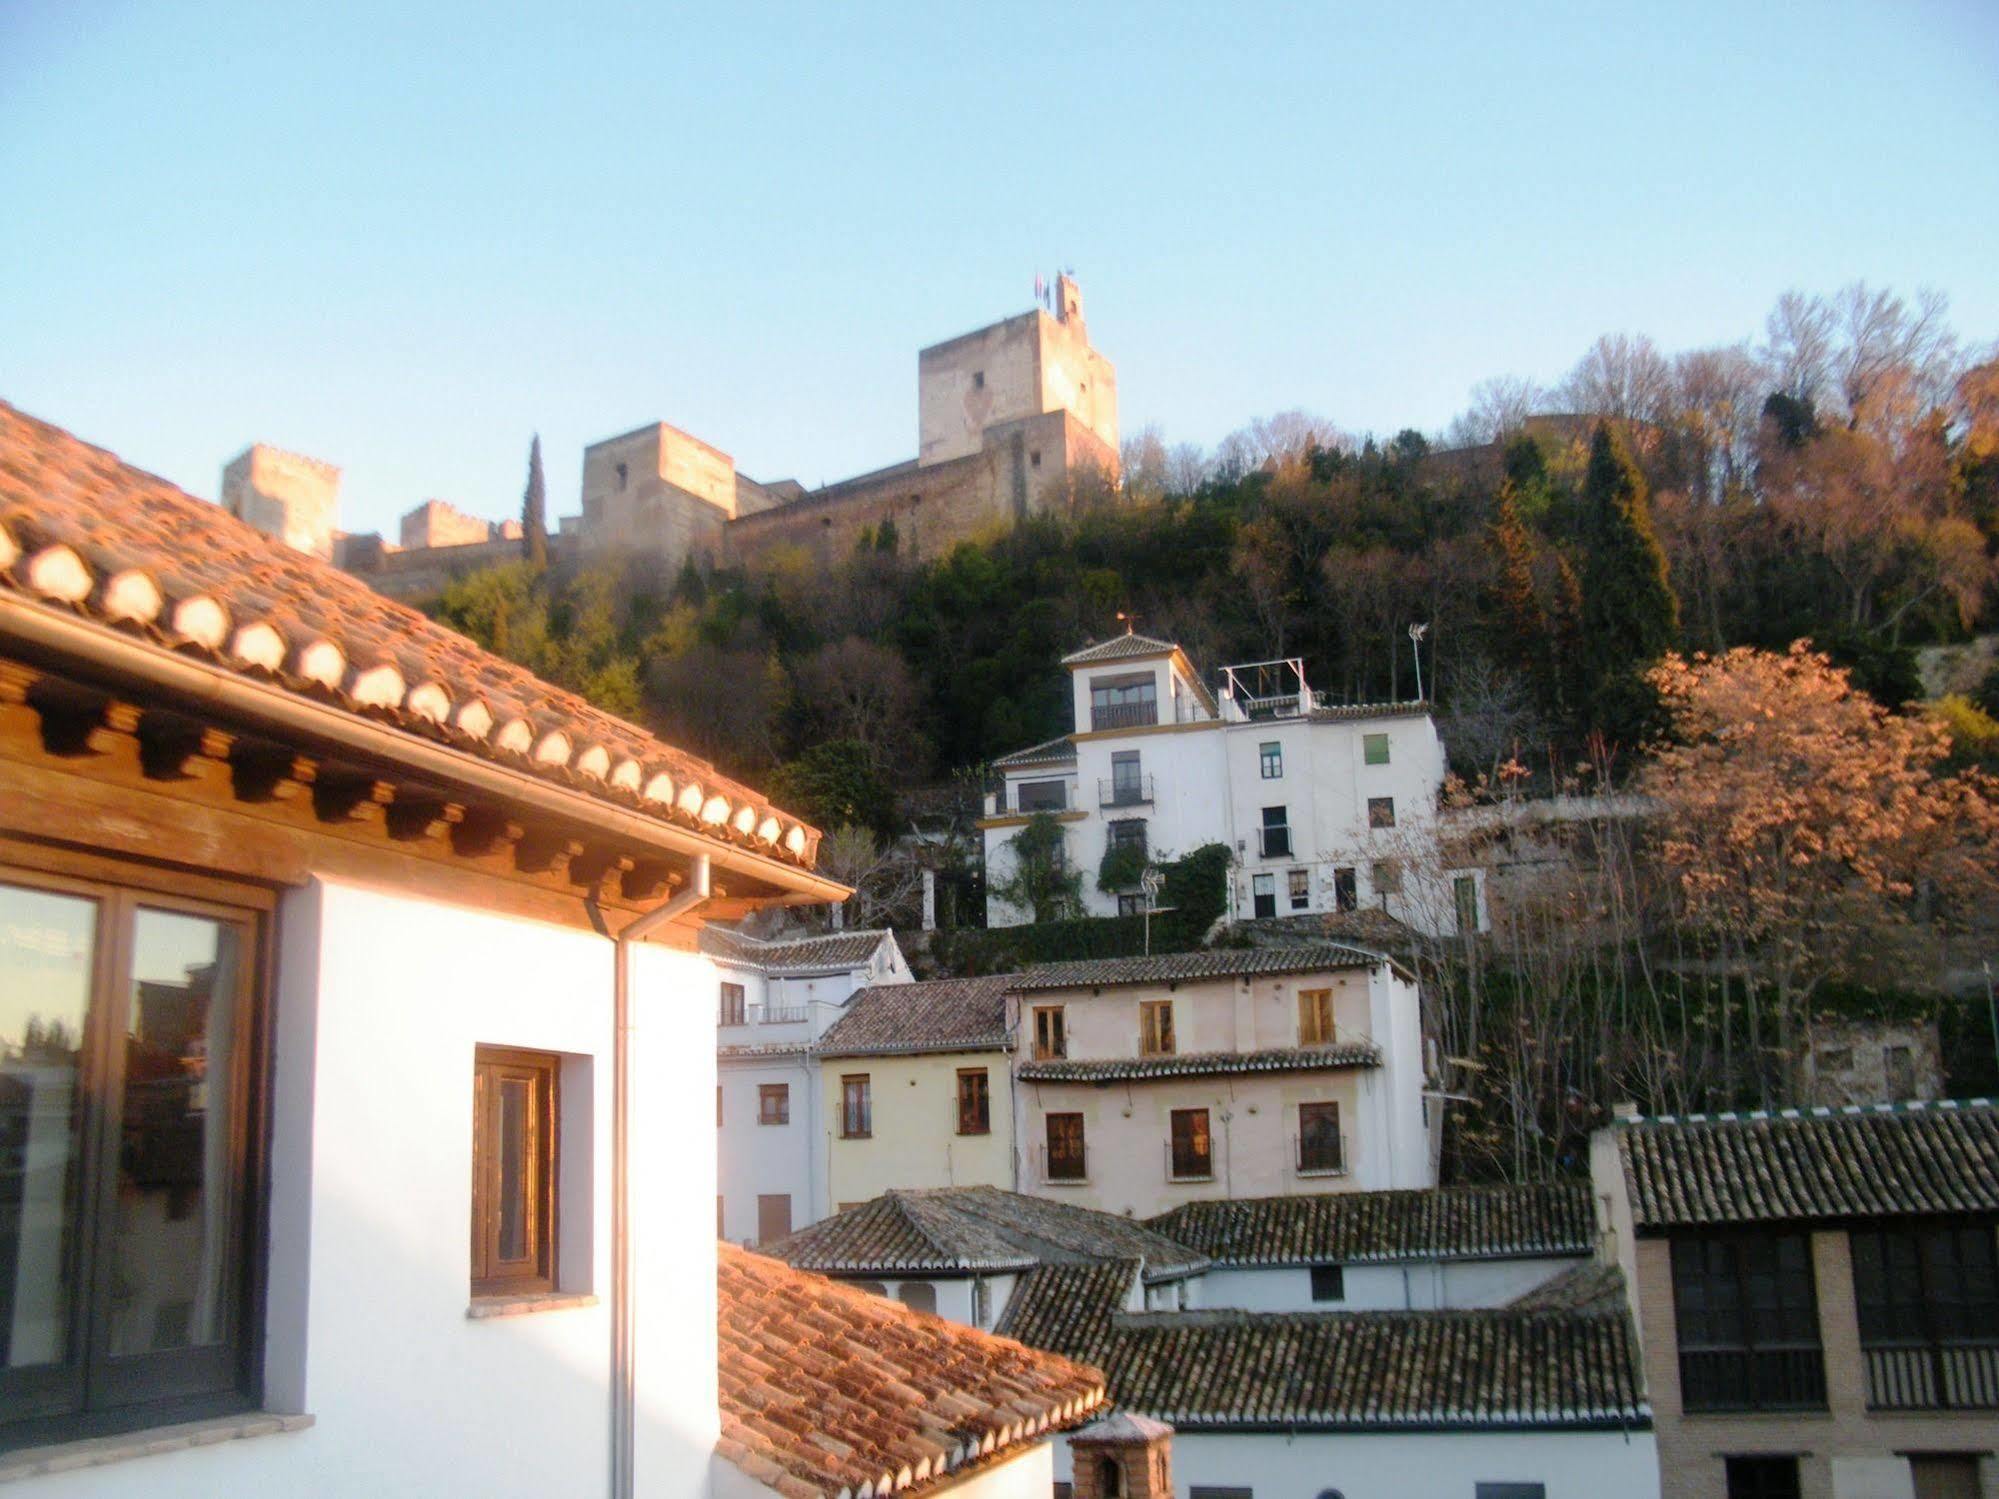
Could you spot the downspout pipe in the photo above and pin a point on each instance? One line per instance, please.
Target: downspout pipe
(624, 1381)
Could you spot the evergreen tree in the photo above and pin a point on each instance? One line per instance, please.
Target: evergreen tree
(1630, 616)
(534, 511)
(1522, 622)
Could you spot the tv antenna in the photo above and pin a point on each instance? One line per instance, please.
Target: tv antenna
(1416, 634)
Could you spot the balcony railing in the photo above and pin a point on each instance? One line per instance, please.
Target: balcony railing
(1131, 791)
(781, 1014)
(1742, 1379)
(1274, 843)
(1189, 1166)
(1123, 716)
(1317, 1156)
(1064, 1168)
(1933, 1377)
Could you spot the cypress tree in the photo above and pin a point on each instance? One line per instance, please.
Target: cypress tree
(534, 511)
(1522, 622)
(1630, 616)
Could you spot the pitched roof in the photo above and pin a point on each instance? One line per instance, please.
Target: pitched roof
(1798, 1165)
(1586, 1286)
(976, 1229)
(1069, 1307)
(1201, 1064)
(85, 534)
(829, 1391)
(1119, 648)
(1368, 1371)
(831, 952)
(1347, 712)
(1049, 752)
(939, 1015)
(1492, 1222)
(1206, 963)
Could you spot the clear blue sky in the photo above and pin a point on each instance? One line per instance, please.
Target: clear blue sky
(402, 237)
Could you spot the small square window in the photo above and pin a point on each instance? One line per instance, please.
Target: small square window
(1374, 748)
(1381, 811)
(1762, 1478)
(773, 1103)
(1301, 889)
(1329, 1283)
(1387, 878)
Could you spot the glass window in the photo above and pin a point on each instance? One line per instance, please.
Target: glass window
(1050, 1039)
(124, 1017)
(1275, 834)
(974, 1102)
(1128, 833)
(1747, 1313)
(1043, 796)
(1928, 1304)
(857, 1111)
(1319, 1145)
(1346, 893)
(1124, 702)
(1374, 748)
(513, 1171)
(1270, 760)
(1155, 1028)
(1381, 811)
(773, 1103)
(1263, 892)
(1131, 903)
(733, 1008)
(1127, 785)
(1300, 881)
(1192, 1152)
(1329, 1283)
(1762, 1477)
(1066, 1159)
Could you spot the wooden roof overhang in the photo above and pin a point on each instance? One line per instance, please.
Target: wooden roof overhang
(109, 742)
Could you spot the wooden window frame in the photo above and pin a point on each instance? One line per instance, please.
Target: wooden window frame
(765, 1093)
(980, 1120)
(1318, 1019)
(849, 1084)
(1051, 1033)
(1774, 1372)
(1155, 1028)
(1187, 1169)
(736, 1013)
(534, 1272)
(1082, 1158)
(1310, 1164)
(91, 1392)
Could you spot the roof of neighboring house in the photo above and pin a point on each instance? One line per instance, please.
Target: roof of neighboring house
(966, 1230)
(1127, 646)
(1369, 1371)
(830, 1391)
(1803, 1165)
(1068, 1306)
(85, 534)
(1050, 752)
(1588, 1286)
(1346, 712)
(1201, 1064)
(831, 953)
(938, 1015)
(1459, 1223)
(1205, 963)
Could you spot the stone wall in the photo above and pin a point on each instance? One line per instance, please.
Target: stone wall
(436, 524)
(286, 495)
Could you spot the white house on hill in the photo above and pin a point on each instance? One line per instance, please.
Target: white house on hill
(1325, 807)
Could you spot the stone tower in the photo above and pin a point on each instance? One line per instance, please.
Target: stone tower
(286, 495)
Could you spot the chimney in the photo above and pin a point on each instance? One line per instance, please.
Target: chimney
(1624, 1110)
(1123, 1456)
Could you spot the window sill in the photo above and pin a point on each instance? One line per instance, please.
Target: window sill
(1307, 1171)
(484, 1307)
(98, 1452)
(1189, 1181)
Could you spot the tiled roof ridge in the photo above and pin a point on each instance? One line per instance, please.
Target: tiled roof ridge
(1815, 1111)
(1202, 962)
(1227, 1316)
(1130, 643)
(283, 617)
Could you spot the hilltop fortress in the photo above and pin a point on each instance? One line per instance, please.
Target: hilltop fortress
(1010, 419)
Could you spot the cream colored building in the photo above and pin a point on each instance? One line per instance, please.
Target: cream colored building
(286, 495)
(915, 1089)
(1144, 1083)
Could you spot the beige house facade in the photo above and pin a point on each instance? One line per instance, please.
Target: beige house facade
(1816, 1298)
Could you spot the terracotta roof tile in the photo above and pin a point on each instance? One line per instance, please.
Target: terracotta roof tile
(1358, 1227)
(976, 1229)
(82, 531)
(832, 951)
(1069, 1307)
(1205, 963)
(1202, 1064)
(826, 1390)
(1049, 752)
(938, 1015)
(1817, 1164)
(1119, 648)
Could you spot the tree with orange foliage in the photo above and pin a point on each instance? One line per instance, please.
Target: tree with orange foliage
(1806, 824)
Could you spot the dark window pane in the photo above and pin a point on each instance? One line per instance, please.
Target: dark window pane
(171, 1237)
(514, 1103)
(46, 947)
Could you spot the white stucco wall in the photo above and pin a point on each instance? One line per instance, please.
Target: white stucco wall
(1413, 1465)
(778, 1159)
(381, 1001)
(1028, 1473)
(1420, 1285)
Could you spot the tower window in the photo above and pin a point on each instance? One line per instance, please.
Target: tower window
(978, 379)
(621, 476)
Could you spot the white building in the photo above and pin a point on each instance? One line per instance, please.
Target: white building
(1450, 1342)
(368, 966)
(774, 999)
(1142, 1083)
(1323, 807)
